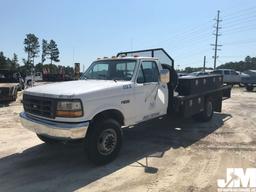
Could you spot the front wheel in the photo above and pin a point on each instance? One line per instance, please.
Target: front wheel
(207, 114)
(104, 141)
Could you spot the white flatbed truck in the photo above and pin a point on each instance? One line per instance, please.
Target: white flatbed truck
(118, 92)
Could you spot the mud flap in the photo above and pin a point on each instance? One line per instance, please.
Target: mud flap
(226, 93)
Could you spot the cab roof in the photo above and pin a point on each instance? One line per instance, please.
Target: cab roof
(127, 57)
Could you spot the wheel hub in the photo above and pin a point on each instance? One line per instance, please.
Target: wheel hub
(107, 142)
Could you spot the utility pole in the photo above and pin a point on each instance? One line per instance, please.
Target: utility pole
(216, 34)
(204, 63)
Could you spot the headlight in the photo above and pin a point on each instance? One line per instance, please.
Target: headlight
(69, 109)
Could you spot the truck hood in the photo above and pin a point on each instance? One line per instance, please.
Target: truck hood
(71, 89)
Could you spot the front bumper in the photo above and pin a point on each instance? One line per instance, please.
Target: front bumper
(57, 130)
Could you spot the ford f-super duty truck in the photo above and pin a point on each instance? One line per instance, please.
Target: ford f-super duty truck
(118, 92)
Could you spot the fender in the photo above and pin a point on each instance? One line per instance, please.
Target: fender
(105, 107)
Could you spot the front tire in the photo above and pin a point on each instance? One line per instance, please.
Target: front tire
(104, 141)
(207, 114)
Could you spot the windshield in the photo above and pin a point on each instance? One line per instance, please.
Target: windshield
(122, 69)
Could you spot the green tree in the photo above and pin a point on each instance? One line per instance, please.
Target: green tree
(247, 64)
(2, 60)
(248, 59)
(14, 62)
(31, 47)
(45, 50)
(69, 71)
(5, 62)
(53, 51)
(39, 67)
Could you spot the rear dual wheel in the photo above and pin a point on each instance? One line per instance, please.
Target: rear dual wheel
(249, 87)
(207, 114)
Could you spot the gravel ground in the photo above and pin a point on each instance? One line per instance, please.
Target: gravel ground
(161, 155)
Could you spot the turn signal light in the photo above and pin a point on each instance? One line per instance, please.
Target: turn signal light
(69, 113)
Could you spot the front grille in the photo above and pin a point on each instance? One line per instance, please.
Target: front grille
(40, 106)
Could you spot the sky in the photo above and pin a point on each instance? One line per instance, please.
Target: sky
(85, 30)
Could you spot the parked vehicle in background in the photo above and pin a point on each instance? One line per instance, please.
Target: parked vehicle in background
(249, 79)
(180, 74)
(230, 76)
(29, 80)
(10, 83)
(198, 73)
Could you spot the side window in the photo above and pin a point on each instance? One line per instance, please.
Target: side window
(226, 72)
(148, 72)
(217, 72)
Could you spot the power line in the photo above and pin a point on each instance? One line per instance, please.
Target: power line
(240, 29)
(181, 35)
(240, 12)
(241, 17)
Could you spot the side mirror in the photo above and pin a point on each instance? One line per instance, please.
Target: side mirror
(165, 76)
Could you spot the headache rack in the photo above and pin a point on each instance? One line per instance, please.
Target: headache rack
(160, 53)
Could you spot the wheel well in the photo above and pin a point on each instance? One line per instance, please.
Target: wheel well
(111, 113)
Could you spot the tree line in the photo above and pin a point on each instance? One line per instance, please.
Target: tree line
(49, 52)
(8, 63)
(249, 63)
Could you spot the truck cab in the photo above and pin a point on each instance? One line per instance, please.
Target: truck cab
(139, 80)
(126, 90)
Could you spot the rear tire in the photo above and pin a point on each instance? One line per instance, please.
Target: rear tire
(241, 85)
(249, 87)
(104, 141)
(48, 140)
(207, 114)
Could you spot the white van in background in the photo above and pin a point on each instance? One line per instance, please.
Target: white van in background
(230, 76)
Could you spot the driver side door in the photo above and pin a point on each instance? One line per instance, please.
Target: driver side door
(150, 94)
